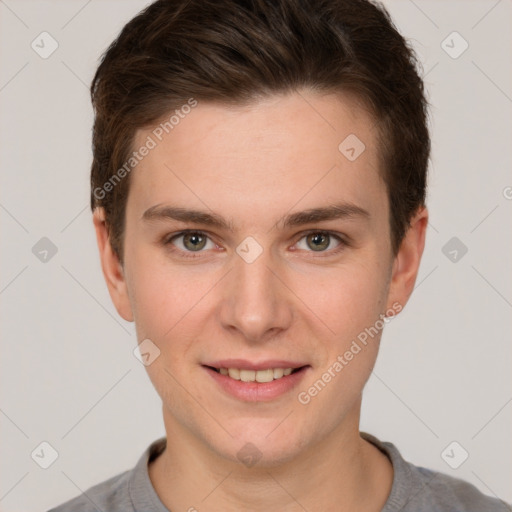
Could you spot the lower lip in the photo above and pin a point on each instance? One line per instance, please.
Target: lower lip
(257, 391)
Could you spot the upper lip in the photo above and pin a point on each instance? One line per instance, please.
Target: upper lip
(243, 364)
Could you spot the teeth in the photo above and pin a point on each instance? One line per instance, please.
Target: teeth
(248, 375)
(265, 375)
(278, 373)
(256, 376)
(234, 373)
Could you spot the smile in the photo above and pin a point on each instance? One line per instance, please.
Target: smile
(257, 385)
(256, 375)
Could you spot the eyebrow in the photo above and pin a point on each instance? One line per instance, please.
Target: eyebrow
(162, 212)
(331, 212)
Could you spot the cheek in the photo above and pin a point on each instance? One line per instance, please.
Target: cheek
(347, 299)
(168, 307)
(164, 298)
(350, 306)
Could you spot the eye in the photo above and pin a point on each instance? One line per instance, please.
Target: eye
(191, 241)
(319, 241)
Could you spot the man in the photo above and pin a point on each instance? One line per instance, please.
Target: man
(258, 195)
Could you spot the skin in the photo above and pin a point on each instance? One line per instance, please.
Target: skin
(253, 165)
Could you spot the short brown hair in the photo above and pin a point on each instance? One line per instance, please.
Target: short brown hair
(236, 51)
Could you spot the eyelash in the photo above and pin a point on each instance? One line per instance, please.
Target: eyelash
(190, 254)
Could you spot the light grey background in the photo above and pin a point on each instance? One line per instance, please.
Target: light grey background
(68, 375)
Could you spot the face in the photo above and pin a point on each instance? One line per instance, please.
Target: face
(255, 242)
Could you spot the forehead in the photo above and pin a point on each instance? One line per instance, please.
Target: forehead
(265, 156)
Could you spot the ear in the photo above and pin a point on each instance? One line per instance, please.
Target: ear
(112, 268)
(407, 261)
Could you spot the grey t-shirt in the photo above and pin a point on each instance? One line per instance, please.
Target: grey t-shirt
(414, 489)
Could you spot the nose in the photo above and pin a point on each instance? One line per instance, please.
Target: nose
(256, 303)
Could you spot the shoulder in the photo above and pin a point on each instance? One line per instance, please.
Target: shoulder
(439, 491)
(111, 495)
(418, 489)
(126, 492)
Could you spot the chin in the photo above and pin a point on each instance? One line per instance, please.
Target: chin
(260, 443)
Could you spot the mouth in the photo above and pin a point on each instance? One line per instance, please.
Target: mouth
(261, 376)
(261, 382)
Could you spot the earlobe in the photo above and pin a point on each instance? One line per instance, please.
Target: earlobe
(111, 267)
(407, 260)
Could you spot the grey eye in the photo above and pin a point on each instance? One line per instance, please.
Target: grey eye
(194, 241)
(318, 241)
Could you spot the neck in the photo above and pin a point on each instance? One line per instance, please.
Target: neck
(341, 472)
